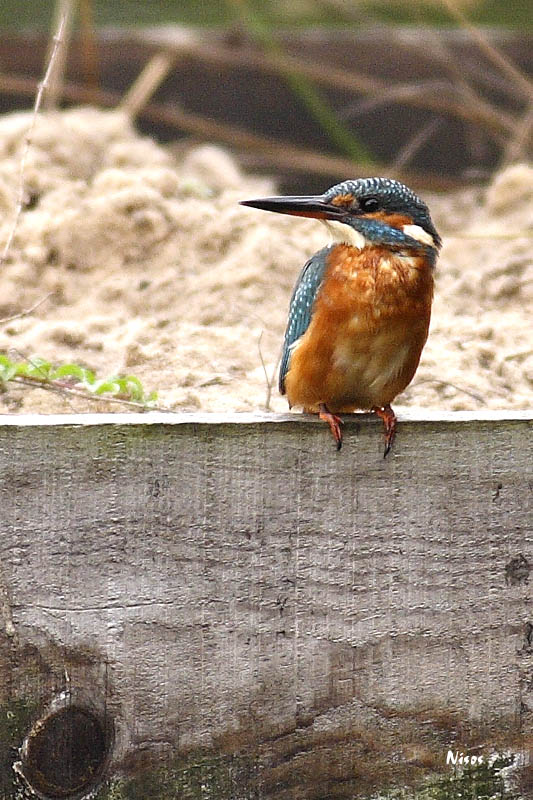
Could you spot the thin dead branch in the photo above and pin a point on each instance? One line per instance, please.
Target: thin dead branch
(56, 55)
(283, 155)
(485, 75)
(520, 80)
(89, 49)
(267, 380)
(64, 389)
(520, 145)
(494, 120)
(27, 311)
(447, 60)
(417, 141)
(147, 83)
(461, 389)
(400, 93)
(41, 88)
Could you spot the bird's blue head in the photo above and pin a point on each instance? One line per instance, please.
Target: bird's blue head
(365, 211)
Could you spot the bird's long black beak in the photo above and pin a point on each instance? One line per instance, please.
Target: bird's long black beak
(306, 206)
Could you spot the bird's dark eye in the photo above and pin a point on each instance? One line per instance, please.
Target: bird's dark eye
(368, 203)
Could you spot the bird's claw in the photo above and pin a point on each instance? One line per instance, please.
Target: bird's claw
(389, 422)
(334, 423)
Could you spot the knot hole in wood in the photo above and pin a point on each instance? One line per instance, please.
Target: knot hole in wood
(65, 753)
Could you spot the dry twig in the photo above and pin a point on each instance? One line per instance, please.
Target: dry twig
(62, 388)
(493, 120)
(519, 146)
(447, 60)
(56, 56)
(520, 80)
(42, 86)
(415, 143)
(89, 49)
(269, 381)
(461, 389)
(27, 311)
(153, 74)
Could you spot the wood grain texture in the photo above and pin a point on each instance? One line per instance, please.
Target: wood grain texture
(320, 624)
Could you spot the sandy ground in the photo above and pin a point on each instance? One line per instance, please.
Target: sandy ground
(156, 271)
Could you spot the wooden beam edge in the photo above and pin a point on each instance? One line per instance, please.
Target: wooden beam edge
(411, 415)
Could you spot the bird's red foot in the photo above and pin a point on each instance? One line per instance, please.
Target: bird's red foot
(333, 421)
(389, 421)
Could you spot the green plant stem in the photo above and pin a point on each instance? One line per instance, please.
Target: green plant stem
(341, 136)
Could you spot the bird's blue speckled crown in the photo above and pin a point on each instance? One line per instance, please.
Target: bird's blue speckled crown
(387, 189)
(392, 196)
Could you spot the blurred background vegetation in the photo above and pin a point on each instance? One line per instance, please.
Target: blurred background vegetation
(19, 14)
(320, 88)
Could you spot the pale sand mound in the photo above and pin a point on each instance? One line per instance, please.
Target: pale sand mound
(158, 272)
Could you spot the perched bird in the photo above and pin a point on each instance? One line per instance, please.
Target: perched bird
(359, 313)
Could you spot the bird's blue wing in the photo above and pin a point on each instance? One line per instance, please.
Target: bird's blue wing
(301, 307)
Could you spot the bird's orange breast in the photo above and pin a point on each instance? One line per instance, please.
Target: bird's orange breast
(369, 324)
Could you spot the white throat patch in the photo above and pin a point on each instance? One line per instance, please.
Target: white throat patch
(345, 234)
(341, 233)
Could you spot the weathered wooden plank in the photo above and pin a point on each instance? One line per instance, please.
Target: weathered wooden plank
(251, 611)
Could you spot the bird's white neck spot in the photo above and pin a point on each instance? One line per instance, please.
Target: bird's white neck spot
(345, 234)
(418, 233)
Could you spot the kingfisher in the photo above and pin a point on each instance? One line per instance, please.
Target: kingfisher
(360, 311)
